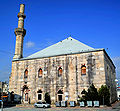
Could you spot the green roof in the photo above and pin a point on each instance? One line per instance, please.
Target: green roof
(67, 46)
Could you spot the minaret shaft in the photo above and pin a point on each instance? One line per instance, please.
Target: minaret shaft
(20, 33)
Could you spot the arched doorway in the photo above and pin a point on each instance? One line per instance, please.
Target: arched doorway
(25, 94)
(60, 94)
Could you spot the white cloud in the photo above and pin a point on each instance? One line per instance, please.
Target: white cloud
(29, 44)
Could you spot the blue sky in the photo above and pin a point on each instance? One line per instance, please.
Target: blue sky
(93, 22)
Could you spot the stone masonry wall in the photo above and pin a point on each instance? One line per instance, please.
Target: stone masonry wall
(71, 82)
(110, 78)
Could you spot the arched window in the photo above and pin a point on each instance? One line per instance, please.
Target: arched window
(60, 71)
(40, 72)
(83, 69)
(26, 74)
(39, 94)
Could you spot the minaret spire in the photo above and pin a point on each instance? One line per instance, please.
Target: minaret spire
(20, 33)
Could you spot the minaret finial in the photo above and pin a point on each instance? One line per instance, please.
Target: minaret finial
(20, 33)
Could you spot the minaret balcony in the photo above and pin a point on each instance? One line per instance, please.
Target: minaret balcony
(19, 31)
(21, 15)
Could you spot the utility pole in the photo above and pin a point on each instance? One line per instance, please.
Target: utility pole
(103, 100)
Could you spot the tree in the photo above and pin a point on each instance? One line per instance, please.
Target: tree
(91, 94)
(104, 95)
(83, 92)
(84, 95)
(47, 98)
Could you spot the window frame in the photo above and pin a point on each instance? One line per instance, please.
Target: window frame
(26, 74)
(60, 71)
(40, 74)
(83, 71)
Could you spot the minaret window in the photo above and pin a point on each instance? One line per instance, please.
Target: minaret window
(60, 71)
(83, 70)
(40, 72)
(26, 74)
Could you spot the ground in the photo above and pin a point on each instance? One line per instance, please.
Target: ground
(60, 109)
(30, 107)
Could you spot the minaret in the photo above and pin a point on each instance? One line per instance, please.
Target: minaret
(20, 33)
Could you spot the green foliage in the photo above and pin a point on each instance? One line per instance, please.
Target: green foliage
(84, 95)
(47, 98)
(91, 94)
(104, 95)
(83, 92)
(81, 99)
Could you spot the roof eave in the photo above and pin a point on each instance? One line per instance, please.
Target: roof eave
(109, 58)
(58, 55)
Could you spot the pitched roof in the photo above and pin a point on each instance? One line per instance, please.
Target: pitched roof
(67, 46)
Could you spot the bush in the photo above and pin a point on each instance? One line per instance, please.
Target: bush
(104, 95)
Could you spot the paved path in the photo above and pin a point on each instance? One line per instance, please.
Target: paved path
(115, 107)
(60, 109)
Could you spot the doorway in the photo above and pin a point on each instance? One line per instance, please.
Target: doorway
(59, 97)
(25, 94)
(60, 93)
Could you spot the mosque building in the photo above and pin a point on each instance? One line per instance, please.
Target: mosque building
(61, 70)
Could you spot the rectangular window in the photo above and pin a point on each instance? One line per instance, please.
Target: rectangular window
(39, 96)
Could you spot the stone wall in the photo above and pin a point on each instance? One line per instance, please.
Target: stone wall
(110, 77)
(71, 82)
